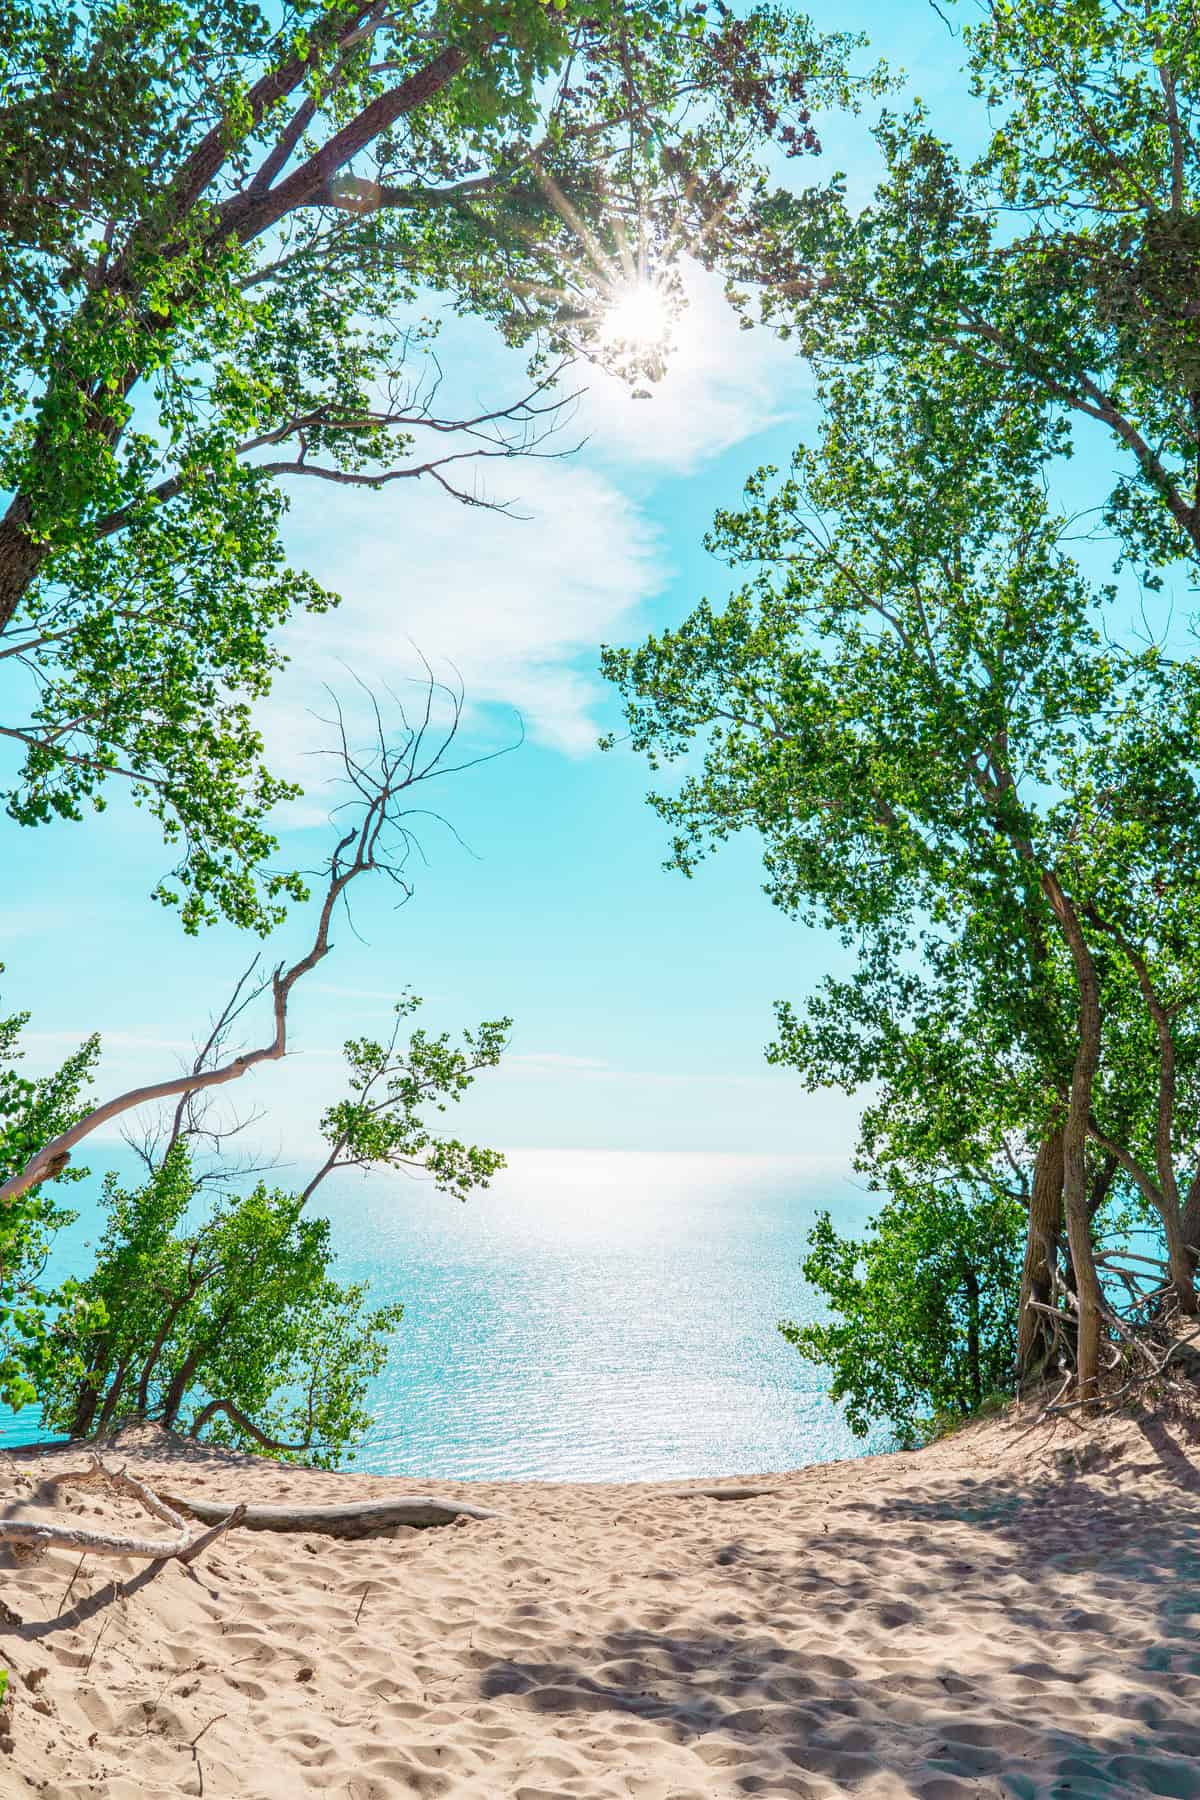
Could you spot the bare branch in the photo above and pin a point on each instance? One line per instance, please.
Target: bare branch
(375, 842)
(185, 1546)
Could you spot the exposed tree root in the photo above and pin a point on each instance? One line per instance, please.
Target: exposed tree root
(1147, 1344)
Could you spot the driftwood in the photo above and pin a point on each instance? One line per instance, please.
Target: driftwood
(720, 1493)
(354, 1519)
(185, 1546)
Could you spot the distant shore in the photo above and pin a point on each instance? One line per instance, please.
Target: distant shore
(1002, 1613)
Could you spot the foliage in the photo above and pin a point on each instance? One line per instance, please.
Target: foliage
(224, 223)
(239, 1306)
(30, 1111)
(222, 1316)
(917, 704)
(925, 1308)
(913, 639)
(380, 1124)
(1066, 256)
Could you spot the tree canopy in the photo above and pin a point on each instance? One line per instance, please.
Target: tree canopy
(225, 228)
(955, 749)
(917, 705)
(1065, 256)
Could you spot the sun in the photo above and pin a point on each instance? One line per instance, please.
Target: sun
(638, 316)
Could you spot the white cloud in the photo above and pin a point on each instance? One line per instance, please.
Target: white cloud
(512, 603)
(519, 604)
(721, 386)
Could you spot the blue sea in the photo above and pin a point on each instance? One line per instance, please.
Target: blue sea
(593, 1316)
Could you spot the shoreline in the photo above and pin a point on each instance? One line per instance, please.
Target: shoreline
(993, 1615)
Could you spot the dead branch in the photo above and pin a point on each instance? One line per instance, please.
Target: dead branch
(519, 429)
(353, 1519)
(376, 841)
(184, 1547)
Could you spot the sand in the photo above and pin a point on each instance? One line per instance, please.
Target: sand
(999, 1615)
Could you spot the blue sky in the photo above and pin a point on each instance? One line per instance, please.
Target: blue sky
(641, 1002)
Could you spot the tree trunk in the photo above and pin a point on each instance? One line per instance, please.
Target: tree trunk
(1180, 1262)
(20, 559)
(87, 1397)
(974, 1365)
(1075, 1141)
(1041, 1255)
(86, 1402)
(1190, 1223)
(163, 1333)
(113, 1395)
(181, 1381)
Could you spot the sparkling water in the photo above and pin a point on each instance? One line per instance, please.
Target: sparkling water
(599, 1315)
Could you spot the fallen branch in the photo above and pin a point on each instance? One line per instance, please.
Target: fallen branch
(184, 1547)
(720, 1493)
(354, 1519)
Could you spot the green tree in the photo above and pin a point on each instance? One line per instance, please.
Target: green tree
(925, 1308)
(31, 1111)
(223, 226)
(234, 1303)
(915, 706)
(240, 1306)
(234, 1316)
(1065, 257)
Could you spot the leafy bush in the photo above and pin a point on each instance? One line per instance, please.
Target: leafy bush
(221, 1316)
(231, 1326)
(31, 1111)
(925, 1308)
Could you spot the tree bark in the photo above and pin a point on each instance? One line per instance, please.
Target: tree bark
(349, 1519)
(1181, 1263)
(1190, 1223)
(1075, 1142)
(45, 1534)
(86, 1402)
(182, 1380)
(974, 1361)
(87, 1399)
(163, 1333)
(20, 559)
(113, 1395)
(1042, 1238)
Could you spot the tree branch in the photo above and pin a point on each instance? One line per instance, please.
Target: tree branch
(249, 215)
(361, 850)
(185, 1546)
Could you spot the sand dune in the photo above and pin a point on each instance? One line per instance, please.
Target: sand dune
(986, 1618)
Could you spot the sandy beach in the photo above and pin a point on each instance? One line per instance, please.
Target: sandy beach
(1011, 1613)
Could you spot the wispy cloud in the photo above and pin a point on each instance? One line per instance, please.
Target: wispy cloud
(518, 604)
(511, 603)
(551, 1062)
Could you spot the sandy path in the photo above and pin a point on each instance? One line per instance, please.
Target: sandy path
(980, 1619)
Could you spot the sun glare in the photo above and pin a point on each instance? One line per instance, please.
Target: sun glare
(639, 316)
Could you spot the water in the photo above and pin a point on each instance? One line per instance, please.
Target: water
(593, 1316)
